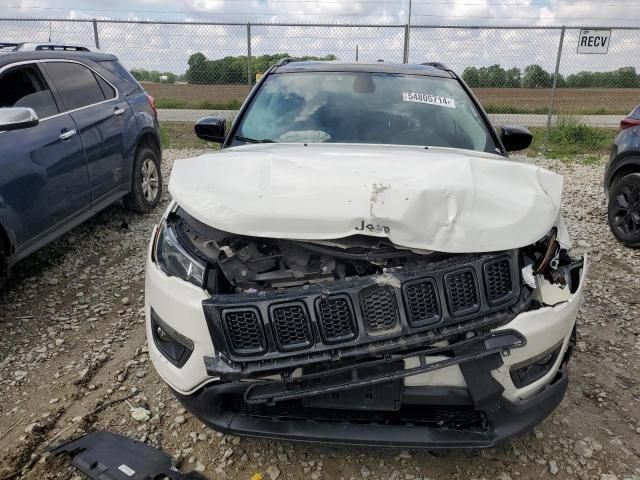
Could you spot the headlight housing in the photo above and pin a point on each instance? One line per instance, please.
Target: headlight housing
(174, 260)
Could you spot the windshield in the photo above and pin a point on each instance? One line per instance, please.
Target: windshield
(357, 107)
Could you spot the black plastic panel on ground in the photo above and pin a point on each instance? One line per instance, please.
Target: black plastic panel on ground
(361, 310)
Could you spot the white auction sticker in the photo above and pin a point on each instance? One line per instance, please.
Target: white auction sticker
(127, 470)
(429, 99)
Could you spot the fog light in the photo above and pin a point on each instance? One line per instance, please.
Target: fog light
(527, 372)
(173, 345)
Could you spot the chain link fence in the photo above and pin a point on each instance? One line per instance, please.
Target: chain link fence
(535, 76)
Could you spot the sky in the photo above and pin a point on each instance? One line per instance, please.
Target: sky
(167, 47)
(527, 12)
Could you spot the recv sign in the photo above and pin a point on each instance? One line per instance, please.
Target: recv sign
(594, 41)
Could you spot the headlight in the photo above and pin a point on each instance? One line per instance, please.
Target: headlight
(174, 260)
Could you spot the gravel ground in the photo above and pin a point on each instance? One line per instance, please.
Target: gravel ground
(73, 340)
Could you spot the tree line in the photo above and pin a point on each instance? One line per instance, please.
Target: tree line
(155, 76)
(233, 70)
(534, 76)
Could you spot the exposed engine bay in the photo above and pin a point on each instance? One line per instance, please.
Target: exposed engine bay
(244, 264)
(249, 264)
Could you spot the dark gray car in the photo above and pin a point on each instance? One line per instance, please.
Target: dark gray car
(622, 182)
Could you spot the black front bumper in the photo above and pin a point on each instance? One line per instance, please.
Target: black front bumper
(431, 417)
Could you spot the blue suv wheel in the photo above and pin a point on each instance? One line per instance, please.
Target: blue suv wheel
(146, 188)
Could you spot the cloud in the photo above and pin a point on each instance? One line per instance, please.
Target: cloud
(522, 12)
(166, 47)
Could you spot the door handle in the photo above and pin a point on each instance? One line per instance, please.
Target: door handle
(66, 135)
(118, 111)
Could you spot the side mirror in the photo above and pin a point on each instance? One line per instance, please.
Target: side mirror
(15, 118)
(515, 137)
(211, 129)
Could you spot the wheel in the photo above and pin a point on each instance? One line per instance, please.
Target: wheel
(146, 189)
(624, 210)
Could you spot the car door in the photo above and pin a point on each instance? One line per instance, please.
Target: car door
(44, 181)
(101, 116)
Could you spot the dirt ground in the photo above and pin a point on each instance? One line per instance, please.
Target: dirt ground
(72, 340)
(567, 101)
(197, 93)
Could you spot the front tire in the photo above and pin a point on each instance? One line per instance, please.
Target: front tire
(146, 188)
(624, 210)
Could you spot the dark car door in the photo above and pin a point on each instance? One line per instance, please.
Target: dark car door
(44, 181)
(102, 117)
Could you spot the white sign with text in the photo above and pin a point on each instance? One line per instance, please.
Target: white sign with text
(594, 41)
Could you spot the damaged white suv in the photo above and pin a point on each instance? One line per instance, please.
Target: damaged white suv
(361, 263)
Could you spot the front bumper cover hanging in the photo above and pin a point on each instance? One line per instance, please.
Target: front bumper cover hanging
(361, 374)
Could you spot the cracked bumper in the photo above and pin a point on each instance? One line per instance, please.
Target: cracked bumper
(512, 418)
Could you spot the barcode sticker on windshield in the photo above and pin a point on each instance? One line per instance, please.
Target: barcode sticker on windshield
(429, 99)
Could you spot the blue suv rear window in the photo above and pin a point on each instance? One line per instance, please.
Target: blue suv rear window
(116, 68)
(75, 83)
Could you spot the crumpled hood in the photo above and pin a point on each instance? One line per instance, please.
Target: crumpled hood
(440, 199)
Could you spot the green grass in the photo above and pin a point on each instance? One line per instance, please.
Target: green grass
(570, 138)
(544, 110)
(173, 103)
(591, 160)
(181, 135)
(513, 109)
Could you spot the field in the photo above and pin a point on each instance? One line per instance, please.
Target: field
(169, 95)
(586, 101)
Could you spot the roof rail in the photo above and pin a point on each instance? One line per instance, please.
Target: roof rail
(284, 61)
(11, 46)
(51, 46)
(44, 46)
(438, 65)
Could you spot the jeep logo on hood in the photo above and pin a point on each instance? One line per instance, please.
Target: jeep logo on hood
(372, 227)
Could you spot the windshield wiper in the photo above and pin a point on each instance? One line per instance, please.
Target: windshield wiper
(253, 140)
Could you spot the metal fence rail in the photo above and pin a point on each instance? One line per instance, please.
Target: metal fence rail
(529, 75)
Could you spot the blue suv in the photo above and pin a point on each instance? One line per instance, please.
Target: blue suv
(77, 133)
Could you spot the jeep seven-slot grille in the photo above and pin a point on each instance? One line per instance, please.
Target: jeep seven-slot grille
(245, 332)
(462, 293)
(336, 319)
(291, 327)
(498, 281)
(379, 308)
(353, 313)
(422, 302)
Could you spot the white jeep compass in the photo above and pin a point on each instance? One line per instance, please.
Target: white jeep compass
(361, 263)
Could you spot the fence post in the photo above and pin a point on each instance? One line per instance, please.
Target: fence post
(95, 34)
(249, 82)
(405, 54)
(553, 92)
